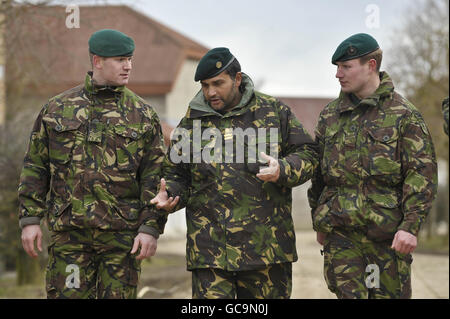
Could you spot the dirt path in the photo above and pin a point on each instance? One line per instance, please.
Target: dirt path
(430, 273)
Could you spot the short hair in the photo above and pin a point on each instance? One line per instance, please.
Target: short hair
(377, 55)
(91, 58)
(232, 70)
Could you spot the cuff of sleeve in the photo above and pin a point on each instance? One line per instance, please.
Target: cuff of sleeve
(25, 221)
(149, 230)
(172, 190)
(410, 227)
(283, 178)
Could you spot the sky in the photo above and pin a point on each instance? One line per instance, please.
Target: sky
(285, 46)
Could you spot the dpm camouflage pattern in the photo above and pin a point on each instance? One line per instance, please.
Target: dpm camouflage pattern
(98, 152)
(445, 113)
(356, 267)
(271, 282)
(377, 168)
(92, 264)
(235, 221)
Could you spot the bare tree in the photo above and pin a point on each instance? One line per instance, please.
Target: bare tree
(13, 139)
(421, 47)
(420, 68)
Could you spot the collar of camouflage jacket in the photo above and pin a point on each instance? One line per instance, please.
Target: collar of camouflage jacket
(385, 89)
(93, 88)
(198, 107)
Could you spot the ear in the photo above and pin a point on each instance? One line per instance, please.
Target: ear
(97, 62)
(372, 65)
(238, 79)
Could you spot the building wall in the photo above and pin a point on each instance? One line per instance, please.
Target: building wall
(183, 91)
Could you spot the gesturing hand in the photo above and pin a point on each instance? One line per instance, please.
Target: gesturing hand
(269, 173)
(162, 200)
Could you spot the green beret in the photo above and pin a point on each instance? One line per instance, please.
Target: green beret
(214, 62)
(108, 43)
(354, 47)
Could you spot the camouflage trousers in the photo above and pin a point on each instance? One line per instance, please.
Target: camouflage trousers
(271, 282)
(90, 263)
(356, 267)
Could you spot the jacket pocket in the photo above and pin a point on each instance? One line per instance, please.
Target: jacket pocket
(321, 215)
(384, 214)
(383, 149)
(58, 209)
(59, 215)
(129, 146)
(62, 138)
(130, 211)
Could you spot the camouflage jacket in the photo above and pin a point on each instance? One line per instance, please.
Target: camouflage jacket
(445, 113)
(377, 167)
(235, 221)
(93, 161)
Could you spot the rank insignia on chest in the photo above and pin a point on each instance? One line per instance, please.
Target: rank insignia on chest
(228, 134)
(95, 131)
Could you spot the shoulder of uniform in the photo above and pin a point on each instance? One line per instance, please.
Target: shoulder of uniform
(266, 97)
(68, 96)
(261, 95)
(405, 103)
(407, 111)
(330, 108)
(403, 106)
(327, 116)
(133, 96)
(140, 104)
(263, 99)
(70, 93)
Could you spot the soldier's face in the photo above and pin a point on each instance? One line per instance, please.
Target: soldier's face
(353, 76)
(113, 71)
(221, 92)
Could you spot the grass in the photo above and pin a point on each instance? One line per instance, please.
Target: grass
(9, 289)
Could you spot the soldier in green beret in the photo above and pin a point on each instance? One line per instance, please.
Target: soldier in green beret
(376, 180)
(92, 166)
(240, 233)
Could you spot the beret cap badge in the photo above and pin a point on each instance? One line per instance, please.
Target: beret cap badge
(351, 50)
(218, 64)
